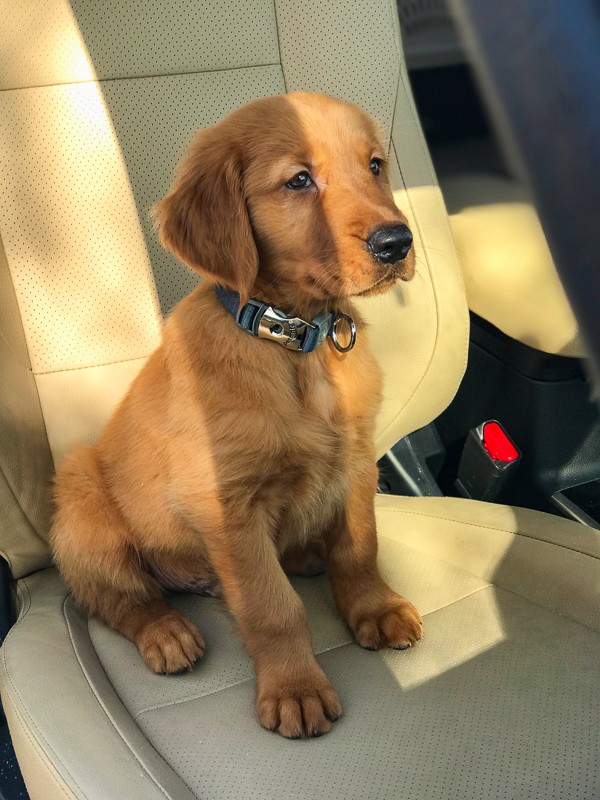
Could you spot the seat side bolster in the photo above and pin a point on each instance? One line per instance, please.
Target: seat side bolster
(423, 347)
(107, 754)
(26, 465)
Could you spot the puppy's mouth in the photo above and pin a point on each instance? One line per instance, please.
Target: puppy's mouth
(396, 272)
(381, 283)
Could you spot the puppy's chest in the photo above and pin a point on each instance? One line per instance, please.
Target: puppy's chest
(317, 397)
(316, 435)
(313, 477)
(316, 463)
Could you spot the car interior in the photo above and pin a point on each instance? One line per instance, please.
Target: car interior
(488, 509)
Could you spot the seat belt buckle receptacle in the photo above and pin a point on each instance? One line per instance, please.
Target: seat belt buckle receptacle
(488, 460)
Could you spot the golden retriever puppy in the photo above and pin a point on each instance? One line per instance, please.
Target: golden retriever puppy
(240, 453)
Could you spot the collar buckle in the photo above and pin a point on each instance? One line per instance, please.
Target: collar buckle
(287, 331)
(293, 333)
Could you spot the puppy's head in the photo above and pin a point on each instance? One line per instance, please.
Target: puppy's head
(289, 196)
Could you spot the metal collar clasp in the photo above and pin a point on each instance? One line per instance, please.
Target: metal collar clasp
(288, 331)
(294, 333)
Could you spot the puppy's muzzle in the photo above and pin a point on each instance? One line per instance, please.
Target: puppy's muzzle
(390, 244)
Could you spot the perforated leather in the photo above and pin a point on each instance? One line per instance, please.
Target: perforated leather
(358, 57)
(84, 162)
(498, 700)
(69, 42)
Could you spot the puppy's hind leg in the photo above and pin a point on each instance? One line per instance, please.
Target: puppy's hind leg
(94, 551)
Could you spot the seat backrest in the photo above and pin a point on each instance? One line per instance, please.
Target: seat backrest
(97, 104)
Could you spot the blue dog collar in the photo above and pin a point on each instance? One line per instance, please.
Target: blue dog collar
(294, 333)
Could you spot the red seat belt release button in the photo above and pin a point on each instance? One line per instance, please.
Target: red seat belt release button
(497, 443)
(489, 457)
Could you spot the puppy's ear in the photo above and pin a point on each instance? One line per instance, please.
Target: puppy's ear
(204, 219)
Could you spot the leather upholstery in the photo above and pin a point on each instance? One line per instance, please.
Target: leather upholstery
(499, 699)
(99, 100)
(509, 273)
(25, 461)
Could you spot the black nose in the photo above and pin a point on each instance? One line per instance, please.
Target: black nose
(390, 244)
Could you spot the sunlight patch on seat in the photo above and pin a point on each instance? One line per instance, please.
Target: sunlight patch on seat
(454, 635)
(70, 51)
(41, 45)
(72, 234)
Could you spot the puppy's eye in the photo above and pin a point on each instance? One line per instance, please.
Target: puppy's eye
(300, 181)
(375, 166)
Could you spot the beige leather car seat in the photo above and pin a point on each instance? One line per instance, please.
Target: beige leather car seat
(509, 272)
(500, 699)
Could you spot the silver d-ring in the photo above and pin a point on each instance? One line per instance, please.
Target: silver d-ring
(334, 334)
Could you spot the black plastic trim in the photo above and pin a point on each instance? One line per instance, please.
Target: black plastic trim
(12, 786)
(527, 361)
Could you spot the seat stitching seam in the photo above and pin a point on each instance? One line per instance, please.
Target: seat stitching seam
(13, 353)
(36, 746)
(23, 512)
(25, 714)
(399, 55)
(533, 602)
(459, 599)
(278, 33)
(138, 77)
(491, 528)
(89, 366)
(172, 703)
(27, 601)
(97, 699)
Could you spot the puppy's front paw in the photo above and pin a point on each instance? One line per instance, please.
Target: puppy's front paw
(394, 622)
(297, 707)
(170, 643)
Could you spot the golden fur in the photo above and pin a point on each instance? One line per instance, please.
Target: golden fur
(232, 457)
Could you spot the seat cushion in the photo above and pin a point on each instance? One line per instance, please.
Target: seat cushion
(498, 700)
(509, 272)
